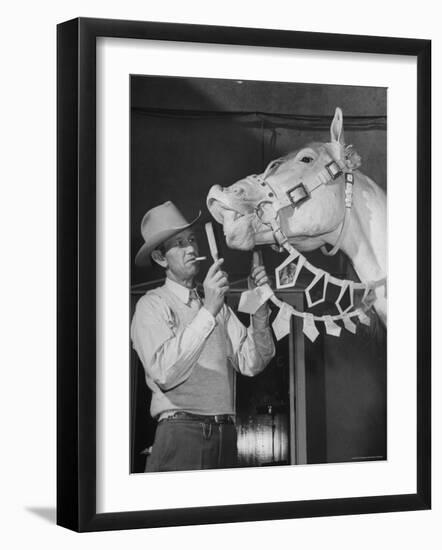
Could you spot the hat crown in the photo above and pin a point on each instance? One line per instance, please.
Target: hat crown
(159, 224)
(162, 218)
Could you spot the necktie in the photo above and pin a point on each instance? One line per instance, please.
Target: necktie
(194, 300)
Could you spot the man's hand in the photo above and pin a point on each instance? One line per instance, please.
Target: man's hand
(215, 286)
(258, 276)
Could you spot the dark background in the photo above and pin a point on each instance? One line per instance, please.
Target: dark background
(188, 134)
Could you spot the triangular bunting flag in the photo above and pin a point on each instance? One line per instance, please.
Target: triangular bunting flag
(331, 327)
(365, 320)
(252, 300)
(281, 325)
(369, 297)
(309, 327)
(248, 302)
(349, 325)
(287, 273)
(319, 275)
(299, 266)
(345, 285)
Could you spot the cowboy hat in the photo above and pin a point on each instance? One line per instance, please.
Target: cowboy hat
(158, 225)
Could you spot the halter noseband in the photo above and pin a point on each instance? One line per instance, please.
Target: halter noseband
(301, 192)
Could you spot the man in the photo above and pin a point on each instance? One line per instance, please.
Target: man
(192, 347)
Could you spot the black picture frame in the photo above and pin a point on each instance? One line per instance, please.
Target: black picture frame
(76, 274)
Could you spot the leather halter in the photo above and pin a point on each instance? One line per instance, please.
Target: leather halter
(301, 192)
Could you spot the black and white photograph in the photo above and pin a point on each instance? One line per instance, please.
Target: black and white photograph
(258, 297)
(220, 275)
(247, 336)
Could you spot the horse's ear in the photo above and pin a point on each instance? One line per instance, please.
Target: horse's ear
(337, 127)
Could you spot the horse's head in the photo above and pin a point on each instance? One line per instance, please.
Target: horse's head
(303, 192)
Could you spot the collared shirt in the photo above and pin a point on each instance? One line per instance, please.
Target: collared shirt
(171, 342)
(181, 291)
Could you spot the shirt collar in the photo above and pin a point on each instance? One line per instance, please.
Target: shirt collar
(179, 290)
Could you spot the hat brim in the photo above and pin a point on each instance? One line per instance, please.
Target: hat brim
(143, 257)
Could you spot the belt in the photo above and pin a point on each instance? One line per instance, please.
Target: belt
(207, 418)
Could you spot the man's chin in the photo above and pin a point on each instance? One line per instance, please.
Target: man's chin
(193, 267)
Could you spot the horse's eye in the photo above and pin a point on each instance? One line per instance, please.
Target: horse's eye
(307, 160)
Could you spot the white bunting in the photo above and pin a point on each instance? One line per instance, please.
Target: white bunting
(345, 285)
(286, 267)
(281, 325)
(369, 297)
(331, 327)
(365, 320)
(248, 302)
(349, 325)
(299, 266)
(251, 300)
(318, 277)
(289, 271)
(309, 327)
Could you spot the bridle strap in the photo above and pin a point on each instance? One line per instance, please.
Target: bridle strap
(349, 181)
(301, 192)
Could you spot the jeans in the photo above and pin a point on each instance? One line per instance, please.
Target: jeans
(183, 444)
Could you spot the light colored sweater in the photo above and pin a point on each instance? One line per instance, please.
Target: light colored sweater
(190, 357)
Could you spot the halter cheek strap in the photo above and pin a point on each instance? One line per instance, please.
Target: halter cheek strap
(349, 181)
(302, 190)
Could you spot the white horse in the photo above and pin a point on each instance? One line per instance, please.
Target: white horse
(311, 198)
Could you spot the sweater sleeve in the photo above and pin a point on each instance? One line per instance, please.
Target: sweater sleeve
(167, 352)
(252, 348)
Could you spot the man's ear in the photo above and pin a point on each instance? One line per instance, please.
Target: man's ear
(158, 257)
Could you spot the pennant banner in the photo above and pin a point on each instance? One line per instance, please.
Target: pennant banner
(248, 302)
(331, 327)
(281, 324)
(347, 285)
(349, 325)
(365, 320)
(252, 300)
(320, 275)
(369, 297)
(288, 272)
(309, 327)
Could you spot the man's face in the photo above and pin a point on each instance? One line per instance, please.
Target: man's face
(180, 253)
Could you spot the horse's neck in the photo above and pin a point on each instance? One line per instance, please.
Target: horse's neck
(365, 238)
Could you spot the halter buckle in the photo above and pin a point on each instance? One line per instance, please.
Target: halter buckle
(298, 194)
(333, 169)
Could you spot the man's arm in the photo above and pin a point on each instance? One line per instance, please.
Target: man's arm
(168, 352)
(251, 348)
